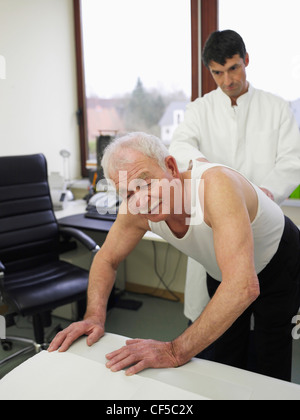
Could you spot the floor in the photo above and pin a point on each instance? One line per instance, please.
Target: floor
(157, 318)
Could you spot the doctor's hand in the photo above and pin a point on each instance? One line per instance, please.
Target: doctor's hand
(63, 340)
(142, 354)
(268, 193)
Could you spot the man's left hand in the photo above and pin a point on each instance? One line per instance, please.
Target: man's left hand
(140, 355)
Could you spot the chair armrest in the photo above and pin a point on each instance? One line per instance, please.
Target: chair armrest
(2, 268)
(80, 236)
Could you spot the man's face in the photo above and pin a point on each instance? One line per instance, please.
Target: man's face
(145, 186)
(231, 77)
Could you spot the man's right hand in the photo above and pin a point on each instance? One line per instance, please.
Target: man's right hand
(63, 340)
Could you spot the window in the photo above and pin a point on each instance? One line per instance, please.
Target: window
(134, 64)
(271, 31)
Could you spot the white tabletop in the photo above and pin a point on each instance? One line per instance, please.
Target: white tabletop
(80, 373)
(70, 208)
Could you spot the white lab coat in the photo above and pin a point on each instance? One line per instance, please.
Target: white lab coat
(295, 107)
(259, 137)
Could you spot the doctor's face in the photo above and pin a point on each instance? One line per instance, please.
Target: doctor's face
(231, 77)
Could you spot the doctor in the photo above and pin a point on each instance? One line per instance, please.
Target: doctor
(215, 215)
(237, 125)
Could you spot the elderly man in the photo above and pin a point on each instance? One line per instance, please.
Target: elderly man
(215, 215)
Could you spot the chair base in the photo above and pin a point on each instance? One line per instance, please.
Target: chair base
(32, 347)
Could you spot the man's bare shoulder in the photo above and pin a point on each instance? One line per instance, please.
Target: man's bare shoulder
(226, 193)
(220, 176)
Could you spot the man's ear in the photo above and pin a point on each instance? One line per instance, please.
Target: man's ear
(247, 60)
(171, 165)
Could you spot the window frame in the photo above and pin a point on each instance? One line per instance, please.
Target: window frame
(209, 24)
(207, 9)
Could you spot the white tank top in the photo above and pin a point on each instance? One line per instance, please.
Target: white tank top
(198, 243)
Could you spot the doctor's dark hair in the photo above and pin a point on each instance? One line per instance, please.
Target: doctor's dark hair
(222, 45)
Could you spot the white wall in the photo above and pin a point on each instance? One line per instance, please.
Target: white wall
(38, 97)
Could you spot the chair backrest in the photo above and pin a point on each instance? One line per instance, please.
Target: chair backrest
(28, 227)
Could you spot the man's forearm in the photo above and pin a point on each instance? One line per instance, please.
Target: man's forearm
(224, 308)
(221, 312)
(101, 281)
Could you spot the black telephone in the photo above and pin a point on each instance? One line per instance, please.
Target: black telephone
(103, 205)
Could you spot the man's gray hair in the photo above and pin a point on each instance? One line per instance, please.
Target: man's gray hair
(114, 157)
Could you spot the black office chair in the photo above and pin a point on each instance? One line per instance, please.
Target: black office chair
(33, 280)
